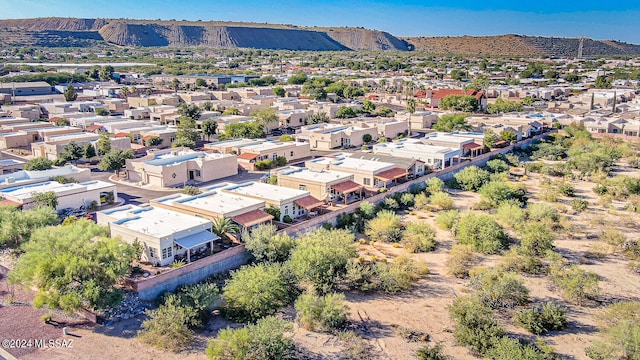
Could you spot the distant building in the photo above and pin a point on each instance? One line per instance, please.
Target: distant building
(322, 184)
(26, 88)
(71, 195)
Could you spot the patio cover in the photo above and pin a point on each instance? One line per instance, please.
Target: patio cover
(472, 146)
(252, 218)
(195, 240)
(248, 156)
(347, 187)
(308, 202)
(392, 174)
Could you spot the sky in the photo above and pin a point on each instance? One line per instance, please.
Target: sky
(601, 20)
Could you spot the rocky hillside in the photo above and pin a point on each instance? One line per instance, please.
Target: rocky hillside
(520, 45)
(60, 32)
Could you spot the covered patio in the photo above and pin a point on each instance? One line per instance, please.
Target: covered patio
(196, 245)
(310, 204)
(347, 188)
(472, 149)
(391, 175)
(252, 218)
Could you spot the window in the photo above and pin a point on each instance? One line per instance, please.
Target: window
(292, 154)
(197, 173)
(167, 253)
(367, 182)
(152, 253)
(274, 156)
(286, 210)
(302, 187)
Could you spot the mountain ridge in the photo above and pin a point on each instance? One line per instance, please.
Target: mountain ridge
(76, 32)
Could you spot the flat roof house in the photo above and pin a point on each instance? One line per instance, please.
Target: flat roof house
(368, 173)
(436, 157)
(165, 235)
(331, 136)
(214, 203)
(24, 177)
(9, 166)
(71, 195)
(291, 202)
(178, 166)
(321, 184)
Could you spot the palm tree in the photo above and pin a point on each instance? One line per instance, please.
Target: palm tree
(222, 226)
(411, 108)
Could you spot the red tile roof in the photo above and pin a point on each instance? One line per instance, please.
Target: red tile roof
(392, 174)
(94, 127)
(308, 202)
(252, 218)
(471, 146)
(121, 135)
(347, 187)
(248, 156)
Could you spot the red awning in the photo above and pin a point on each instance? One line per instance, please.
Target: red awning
(308, 202)
(248, 156)
(252, 218)
(347, 187)
(94, 127)
(121, 135)
(392, 174)
(472, 146)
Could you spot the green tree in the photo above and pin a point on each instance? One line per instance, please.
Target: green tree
(71, 152)
(256, 291)
(386, 226)
(73, 266)
(475, 325)
(508, 136)
(345, 112)
(62, 122)
(451, 122)
(223, 225)
(115, 160)
(250, 130)
(264, 117)
(318, 118)
(490, 139)
(504, 106)
(298, 79)
(187, 133)
(104, 144)
(201, 83)
(459, 103)
(481, 232)
(495, 192)
(88, 151)
(175, 84)
(279, 91)
(38, 163)
(499, 289)
(190, 190)
(320, 258)
(48, 198)
(472, 178)
(266, 340)
(602, 82)
(265, 244)
(106, 72)
(16, 226)
(102, 112)
(191, 111)
(70, 93)
(368, 106)
(209, 127)
(231, 111)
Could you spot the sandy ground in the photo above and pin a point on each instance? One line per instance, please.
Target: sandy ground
(377, 317)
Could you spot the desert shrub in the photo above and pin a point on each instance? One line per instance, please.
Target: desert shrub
(367, 210)
(171, 326)
(575, 283)
(475, 324)
(434, 352)
(190, 190)
(406, 199)
(542, 212)
(386, 226)
(511, 213)
(356, 347)
(471, 178)
(321, 312)
(549, 195)
(633, 203)
(507, 348)
(516, 262)
(419, 237)
(265, 244)
(497, 166)
(416, 189)
(320, 258)
(461, 259)
(612, 236)
(499, 289)
(631, 249)
(264, 340)
(447, 219)
(537, 239)
(579, 205)
(566, 189)
(421, 201)
(481, 232)
(620, 325)
(256, 291)
(495, 192)
(389, 277)
(441, 200)
(434, 185)
(390, 204)
(539, 320)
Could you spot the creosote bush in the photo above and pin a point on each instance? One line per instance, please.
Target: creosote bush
(461, 259)
(481, 232)
(323, 313)
(441, 200)
(419, 237)
(447, 219)
(499, 289)
(539, 320)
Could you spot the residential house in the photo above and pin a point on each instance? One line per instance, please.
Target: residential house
(321, 184)
(71, 195)
(368, 173)
(435, 157)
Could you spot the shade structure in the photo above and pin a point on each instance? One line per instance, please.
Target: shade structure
(392, 174)
(252, 218)
(195, 240)
(308, 202)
